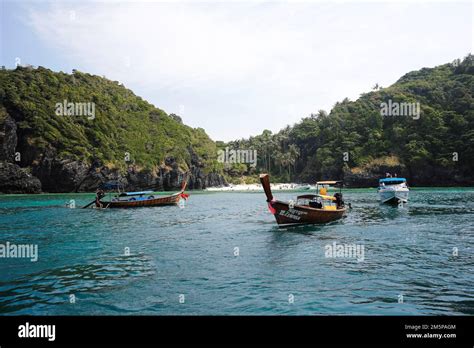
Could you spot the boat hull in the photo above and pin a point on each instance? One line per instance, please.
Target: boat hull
(160, 201)
(301, 215)
(393, 196)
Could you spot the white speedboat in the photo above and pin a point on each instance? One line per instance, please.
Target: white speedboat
(393, 190)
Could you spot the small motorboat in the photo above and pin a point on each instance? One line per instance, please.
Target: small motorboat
(393, 190)
(307, 209)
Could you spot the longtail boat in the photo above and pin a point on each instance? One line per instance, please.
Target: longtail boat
(139, 199)
(309, 208)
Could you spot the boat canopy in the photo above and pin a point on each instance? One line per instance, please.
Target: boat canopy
(392, 180)
(307, 196)
(135, 193)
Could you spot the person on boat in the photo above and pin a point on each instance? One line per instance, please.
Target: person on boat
(339, 201)
(315, 204)
(98, 196)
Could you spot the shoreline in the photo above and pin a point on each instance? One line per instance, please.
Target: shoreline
(259, 188)
(306, 187)
(247, 188)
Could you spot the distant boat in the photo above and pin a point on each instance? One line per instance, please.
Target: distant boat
(135, 199)
(308, 209)
(393, 190)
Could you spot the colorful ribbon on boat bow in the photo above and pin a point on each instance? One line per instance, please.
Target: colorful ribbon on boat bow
(270, 207)
(184, 195)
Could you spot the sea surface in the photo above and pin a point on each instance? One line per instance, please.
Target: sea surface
(224, 254)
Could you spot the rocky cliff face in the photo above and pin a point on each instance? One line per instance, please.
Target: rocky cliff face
(34, 172)
(369, 176)
(13, 179)
(8, 137)
(58, 175)
(431, 176)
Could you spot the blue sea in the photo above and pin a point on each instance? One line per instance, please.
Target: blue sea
(222, 253)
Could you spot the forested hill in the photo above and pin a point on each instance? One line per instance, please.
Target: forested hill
(358, 141)
(74, 131)
(70, 132)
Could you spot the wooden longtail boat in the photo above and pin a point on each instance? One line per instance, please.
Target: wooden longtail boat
(140, 199)
(308, 209)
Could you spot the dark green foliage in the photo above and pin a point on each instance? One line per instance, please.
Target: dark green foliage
(123, 123)
(424, 145)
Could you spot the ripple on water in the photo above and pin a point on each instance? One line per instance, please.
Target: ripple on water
(407, 251)
(54, 286)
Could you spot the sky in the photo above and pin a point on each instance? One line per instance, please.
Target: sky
(237, 68)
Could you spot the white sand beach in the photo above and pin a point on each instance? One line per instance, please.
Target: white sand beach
(258, 187)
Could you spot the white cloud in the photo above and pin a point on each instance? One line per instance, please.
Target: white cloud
(239, 68)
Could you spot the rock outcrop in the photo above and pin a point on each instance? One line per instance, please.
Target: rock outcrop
(46, 171)
(73, 151)
(14, 179)
(369, 175)
(8, 137)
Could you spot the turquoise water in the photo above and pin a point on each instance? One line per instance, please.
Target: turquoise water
(185, 261)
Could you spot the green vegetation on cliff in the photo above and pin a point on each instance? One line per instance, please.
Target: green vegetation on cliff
(122, 124)
(353, 142)
(355, 137)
